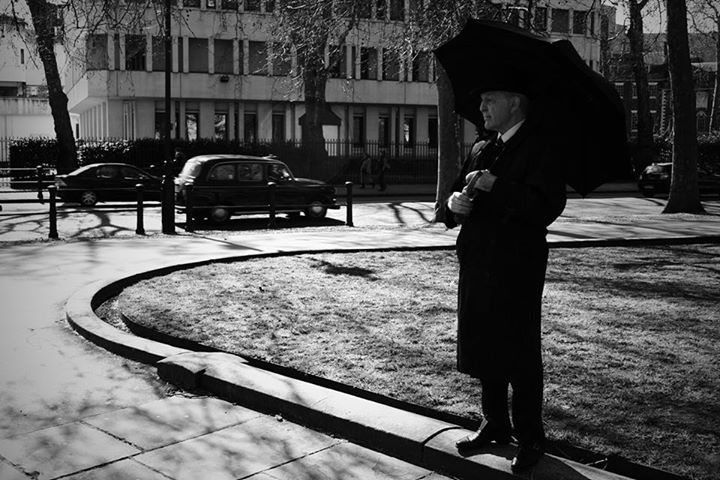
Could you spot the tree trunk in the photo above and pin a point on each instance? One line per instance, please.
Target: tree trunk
(684, 195)
(644, 154)
(448, 142)
(715, 109)
(43, 22)
(314, 82)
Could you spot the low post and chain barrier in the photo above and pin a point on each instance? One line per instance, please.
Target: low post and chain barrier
(349, 204)
(140, 229)
(52, 191)
(189, 208)
(271, 201)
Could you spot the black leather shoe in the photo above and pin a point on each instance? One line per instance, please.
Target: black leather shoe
(485, 435)
(527, 456)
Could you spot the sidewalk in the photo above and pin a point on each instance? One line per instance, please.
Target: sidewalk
(72, 410)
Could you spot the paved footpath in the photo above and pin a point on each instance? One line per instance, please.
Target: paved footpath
(70, 409)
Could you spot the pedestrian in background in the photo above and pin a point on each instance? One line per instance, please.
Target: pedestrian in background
(366, 171)
(383, 167)
(516, 189)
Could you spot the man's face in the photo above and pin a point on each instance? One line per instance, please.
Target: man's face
(497, 108)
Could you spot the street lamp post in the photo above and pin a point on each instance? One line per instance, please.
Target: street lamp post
(168, 193)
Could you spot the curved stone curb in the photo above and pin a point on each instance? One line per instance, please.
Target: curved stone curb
(409, 436)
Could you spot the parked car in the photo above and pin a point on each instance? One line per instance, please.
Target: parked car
(225, 185)
(102, 182)
(655, 179)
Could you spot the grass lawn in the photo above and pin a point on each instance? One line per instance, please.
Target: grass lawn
(631, 336)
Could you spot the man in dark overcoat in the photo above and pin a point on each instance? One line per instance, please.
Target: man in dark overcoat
(507, 195)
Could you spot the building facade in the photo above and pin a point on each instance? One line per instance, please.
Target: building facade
(227, 84)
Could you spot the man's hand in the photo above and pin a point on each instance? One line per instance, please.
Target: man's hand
(459, 203)
(486, 181)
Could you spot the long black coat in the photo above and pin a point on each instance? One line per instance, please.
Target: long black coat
(503, 254)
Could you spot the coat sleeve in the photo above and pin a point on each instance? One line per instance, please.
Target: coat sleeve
(448, 216)
(538, 197)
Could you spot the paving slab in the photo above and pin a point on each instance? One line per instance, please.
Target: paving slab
(393, 430)
(63, 450)
(347, 461)
(128, 469)
(238, 451)
(8, 472)
(170, 420)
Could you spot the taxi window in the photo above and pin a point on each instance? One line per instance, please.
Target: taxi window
(277, 172)
(249, 172)
(108, 171)
(223, 173)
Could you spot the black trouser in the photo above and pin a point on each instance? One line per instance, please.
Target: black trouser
(527, 400)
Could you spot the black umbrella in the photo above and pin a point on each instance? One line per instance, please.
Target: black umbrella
(569, 98)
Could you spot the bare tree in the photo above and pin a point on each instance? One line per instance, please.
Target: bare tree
(635, 33)
(431, 25)
(705, 17)
(44, 20)
(684, 195)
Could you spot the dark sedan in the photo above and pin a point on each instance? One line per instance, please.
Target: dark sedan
(655, 179)
(102, 182)
(227, 185)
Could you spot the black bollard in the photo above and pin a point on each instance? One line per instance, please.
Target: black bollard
(140, 230)
(39, 172)
(271, 202)
(189, 227)
(349, 192)
(52, 190)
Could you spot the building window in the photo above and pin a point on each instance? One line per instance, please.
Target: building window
(223, 56)
(135, 52)
(281, 60)
(221, 126)
(380, 9)
(358, 130)
(391, 65)
(364, 8)
(397, 10)
(250, 127)
(129, 120)
(210, 4)
(159, 124)
(252, 5)
(653, 90)
(269, 6)
(540, 22)
(198, 55)
(579, 22)
(22, 56)
(192, 125)
(229, 4)
(368, 63)
(96, 52)
(338, 61)
(409, 132)
(158, 54)
(278, 127)
(421, 67)
(191, 3)
(258, 58)
(560, 20)
(383, 131)
(432, 132)
(181, 56)
(592, 23)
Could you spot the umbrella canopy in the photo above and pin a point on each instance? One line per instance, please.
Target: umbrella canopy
(568, 98)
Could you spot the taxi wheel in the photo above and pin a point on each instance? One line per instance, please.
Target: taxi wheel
(316, 210)
(219, 215)
(88, 198)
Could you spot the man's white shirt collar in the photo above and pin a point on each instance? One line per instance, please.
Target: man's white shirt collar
(508, 135)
